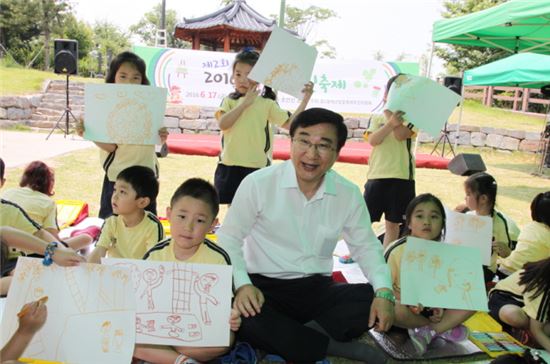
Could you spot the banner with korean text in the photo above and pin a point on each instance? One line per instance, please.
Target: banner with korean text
(203, 78)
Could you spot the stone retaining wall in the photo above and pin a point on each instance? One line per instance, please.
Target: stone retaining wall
(200, 120)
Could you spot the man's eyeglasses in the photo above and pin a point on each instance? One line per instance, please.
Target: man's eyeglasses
(322, 148)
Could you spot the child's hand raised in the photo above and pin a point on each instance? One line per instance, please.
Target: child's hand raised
(163, 134)
(396, 118)
(66, 257)
(235, 320)
(79, 128)
(308, 90)
(251, 94)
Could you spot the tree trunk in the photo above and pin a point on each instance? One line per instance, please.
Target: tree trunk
(47, 35)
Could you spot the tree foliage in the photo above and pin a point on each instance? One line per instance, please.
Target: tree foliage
(19, 28)
(457, 57)
(147, 28)
(303, 21)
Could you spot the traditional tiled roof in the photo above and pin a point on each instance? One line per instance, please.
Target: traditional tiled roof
(238, 15)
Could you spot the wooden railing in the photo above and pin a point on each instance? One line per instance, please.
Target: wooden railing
(521, 99)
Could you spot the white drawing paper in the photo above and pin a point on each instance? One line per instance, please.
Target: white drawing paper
(441, 275)
(123, 114)
(426, 103)
(91, 312)
(470, 230)
(285, 64)
(180, 304)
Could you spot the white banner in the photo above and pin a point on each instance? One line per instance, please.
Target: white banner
(203, 78)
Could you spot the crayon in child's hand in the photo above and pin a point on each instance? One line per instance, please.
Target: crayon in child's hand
(26, 309)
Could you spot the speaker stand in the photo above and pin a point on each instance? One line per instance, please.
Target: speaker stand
(444, 139)
(65, 115)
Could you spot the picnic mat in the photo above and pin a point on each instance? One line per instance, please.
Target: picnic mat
(397, 344)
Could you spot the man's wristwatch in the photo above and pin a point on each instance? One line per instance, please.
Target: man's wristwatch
(385, 294)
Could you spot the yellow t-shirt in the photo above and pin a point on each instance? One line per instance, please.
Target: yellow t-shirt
(14, 216)
(503, 230)
(130, 242)
(392, 158)
(532, 306)
(127, 155)
(393, 256)
(533, 245)
(249, 142)
(208, 253)
(40, 207)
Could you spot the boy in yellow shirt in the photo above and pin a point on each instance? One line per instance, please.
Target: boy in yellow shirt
(131, 230)
(192, 213)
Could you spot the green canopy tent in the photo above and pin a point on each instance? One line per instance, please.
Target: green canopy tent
(527, 70)
(516, 26)
(520, 70)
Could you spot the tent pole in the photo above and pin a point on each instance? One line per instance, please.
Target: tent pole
(429, 70)
(460, 112)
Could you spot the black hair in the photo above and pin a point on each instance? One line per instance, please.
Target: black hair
(2, 169)
(143, 181)
(482, 183)
(423, 198)
(390, 82)
(200, 189)
(535, 279)
(318, 115)
(540, 208)
(250, 57)
(127, 57)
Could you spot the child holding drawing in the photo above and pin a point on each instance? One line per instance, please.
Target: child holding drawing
(192, 213)
(390, 179)
(522, 301)
(126, 68)
(534, 239)
(131, 230)
(424, 219)
(246, 123)
(481, 193)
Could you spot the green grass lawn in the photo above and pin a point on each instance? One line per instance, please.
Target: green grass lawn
(79, 176)
(22, 81)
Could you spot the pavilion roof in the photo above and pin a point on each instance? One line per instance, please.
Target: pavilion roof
(237, 15)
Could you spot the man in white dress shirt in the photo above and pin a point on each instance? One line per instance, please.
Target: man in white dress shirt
(281, 231)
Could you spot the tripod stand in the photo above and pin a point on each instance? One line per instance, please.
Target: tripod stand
(444, 137)
(65, 114)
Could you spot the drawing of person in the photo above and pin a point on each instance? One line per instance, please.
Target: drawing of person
(105, 330)
(202, 286)
(153, 279)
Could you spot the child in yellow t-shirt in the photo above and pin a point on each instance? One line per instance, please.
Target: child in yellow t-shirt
(192, 213)
(534, 239)
(246, 121)
(522, 301)
(131, 230)
(424, 219)
(481, 193)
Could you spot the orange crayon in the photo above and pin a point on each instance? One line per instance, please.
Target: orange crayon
(27, 308)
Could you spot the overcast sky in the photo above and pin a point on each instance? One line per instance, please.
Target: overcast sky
(362, 28)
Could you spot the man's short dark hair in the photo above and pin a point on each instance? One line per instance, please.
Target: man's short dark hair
(143, 181)
(318, 115)
(201, 190)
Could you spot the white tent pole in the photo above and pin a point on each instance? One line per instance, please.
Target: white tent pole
(429, 70)
(459, 113)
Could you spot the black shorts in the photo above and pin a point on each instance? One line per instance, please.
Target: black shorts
(228, 178)
(388, 196)
(497, 299)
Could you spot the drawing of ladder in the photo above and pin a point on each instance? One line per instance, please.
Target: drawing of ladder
(75, 290)
(181, 288)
